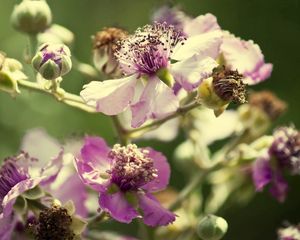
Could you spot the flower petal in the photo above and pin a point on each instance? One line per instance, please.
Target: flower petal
(163, 168)
(190, 72)
(93, 163)
(279, 187)
(153, 212)
(201, 24)
(7, 226)
(156, 101)
(261, 173)
(117, 206)
(247, 58)
(206, 45)
(17, 190)
(111, 96)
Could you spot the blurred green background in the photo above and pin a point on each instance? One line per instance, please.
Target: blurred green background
(274, 25)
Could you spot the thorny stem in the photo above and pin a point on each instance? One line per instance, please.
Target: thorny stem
(60, 95)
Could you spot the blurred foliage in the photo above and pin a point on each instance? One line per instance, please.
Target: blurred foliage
(274, 25)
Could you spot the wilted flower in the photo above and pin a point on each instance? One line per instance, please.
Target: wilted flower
(289, 233)
(31, 16)
(283, 154)
(104, 46)
(147, 56)
(52, 60)
(125, 177)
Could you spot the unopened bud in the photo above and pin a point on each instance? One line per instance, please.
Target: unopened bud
(212, 227)
(57, 34)
(31, 16)
(52, 60)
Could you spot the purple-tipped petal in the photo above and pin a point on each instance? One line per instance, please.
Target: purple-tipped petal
(93, 163)
(117, 206)
(201, 24)
(17, 190)
(279, 187)
(153, 212)
(190, 72)
(206, 45)
(111, 96)
(163, 172)
(156, 101)
(247, 58)
(262, 173)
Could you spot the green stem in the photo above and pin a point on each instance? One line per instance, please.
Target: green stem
(96, 219)
(143, 231)
(62, 96)
(120, 131)
(33, 42)
(155, 124)
(36, 204)
(191, 186)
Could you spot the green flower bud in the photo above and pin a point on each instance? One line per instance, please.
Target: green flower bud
(31, 16)
(52, 60)
(212, 228)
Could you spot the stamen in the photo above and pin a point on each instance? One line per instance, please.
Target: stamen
(131, 167)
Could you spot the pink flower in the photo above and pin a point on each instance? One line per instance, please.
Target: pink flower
(155, 55)
(125, 177)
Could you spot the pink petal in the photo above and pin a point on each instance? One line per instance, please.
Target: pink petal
(201, 24)
(206, 45)
(279, 187)
(153, 212)
(117, 206)
(190, 72)
(247, 58)
(262, 173)
(156, 101)
(163, 167)
(93, 163)
(111, 96)
(7, 226)
(17, 190)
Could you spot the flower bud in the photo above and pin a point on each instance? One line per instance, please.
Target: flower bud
(104, 46)
(223, 87)
(56, 34)
(52, 60)
(31, 16)
(212, 227)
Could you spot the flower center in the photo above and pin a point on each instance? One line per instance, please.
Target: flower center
(131, 167)
(149, 49)
(10, 175)
(228, 85)
(286, 148)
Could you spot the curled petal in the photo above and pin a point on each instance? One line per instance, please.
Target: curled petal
(111, 96)
(206, 45)
(93, 163)
(262, 173)
(153, 212)
(190, 72)
(17, 190)
(117, 206)
(156, 101)
(247, 58)
(201, 24)
(279, 187)
(163, 172)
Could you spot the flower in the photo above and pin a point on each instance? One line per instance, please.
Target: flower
(104, 45)
(56, 34)
(52, 60)
(291, 232)
(147, 56)
(125, 177)
(283, 154)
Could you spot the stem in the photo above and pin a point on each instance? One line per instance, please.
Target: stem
(36, 204)
(180, 111)
(143, 231)
(191, 186)
(120, 131)
(32, 45)
(96, 219)
(62, 96)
